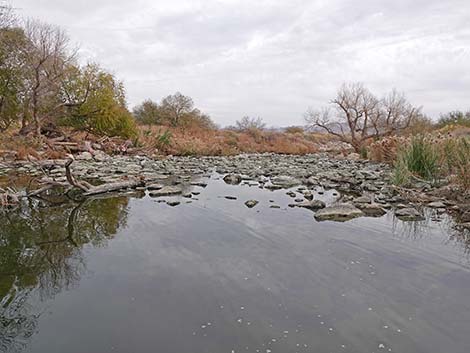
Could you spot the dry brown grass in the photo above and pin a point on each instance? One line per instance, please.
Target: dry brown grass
(434, 156)
(205, 142)
(18, 147)
(386, 150)
(164, 140)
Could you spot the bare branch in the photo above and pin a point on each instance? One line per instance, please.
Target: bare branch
(364, 115)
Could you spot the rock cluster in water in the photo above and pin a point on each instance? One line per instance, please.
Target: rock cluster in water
(364, 186)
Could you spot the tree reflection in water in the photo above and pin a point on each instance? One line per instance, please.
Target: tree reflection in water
(41, 251)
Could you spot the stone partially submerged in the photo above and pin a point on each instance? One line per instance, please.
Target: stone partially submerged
(340, 213)
(251, 203)
(166, 191)
(285, 181)
(371, 209)
(311, 205)
(233, 179)
(409, 214)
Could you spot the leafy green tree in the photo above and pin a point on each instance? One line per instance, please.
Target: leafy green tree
(96, 102)
(149, 113)
(175, 110)
(12, 75)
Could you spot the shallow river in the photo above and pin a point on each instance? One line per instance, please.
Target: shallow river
(130, 274)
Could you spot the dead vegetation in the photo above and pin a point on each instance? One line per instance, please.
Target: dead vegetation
(440, 156)
(160, 140)
(204, 142)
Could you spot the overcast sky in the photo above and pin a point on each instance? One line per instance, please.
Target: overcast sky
(272, 58)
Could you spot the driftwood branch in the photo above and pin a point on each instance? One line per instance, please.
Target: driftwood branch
(84, 186)
(90, 190)
(9, 197)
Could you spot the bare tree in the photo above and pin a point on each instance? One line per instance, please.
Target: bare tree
(48, 57)
(7, 17)
(357, 115)
(248, 123)
(176, 107)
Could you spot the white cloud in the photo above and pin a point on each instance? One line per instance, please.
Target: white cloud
(273, 58)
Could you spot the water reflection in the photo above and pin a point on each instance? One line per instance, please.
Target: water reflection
(41, 249)
(215, 276)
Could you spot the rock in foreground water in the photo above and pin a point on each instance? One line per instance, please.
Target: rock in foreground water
(372, 209)
(339, 213)
(233, 179)
(409, 214)
(251, 203)
(166, 191)
(311, 205)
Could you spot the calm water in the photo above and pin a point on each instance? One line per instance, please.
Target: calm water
(134, 275)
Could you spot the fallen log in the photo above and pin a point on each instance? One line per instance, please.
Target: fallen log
(10, 197)
(110, 187)
(89, 190)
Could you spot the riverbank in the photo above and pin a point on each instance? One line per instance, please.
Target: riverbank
(363, 188)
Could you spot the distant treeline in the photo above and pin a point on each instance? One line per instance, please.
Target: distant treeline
(43, 87)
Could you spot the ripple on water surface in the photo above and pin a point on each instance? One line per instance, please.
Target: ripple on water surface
(212, 275)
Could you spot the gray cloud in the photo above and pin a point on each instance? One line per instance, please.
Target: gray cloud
(273, 58)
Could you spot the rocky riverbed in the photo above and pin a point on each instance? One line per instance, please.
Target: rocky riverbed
(361, 188)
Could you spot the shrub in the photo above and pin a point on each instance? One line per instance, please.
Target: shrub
(247, 123)
(386, 150)
(419, 158)
(457, 160)
(422, 158)
(163, 140)
(401, 175)
(454, 118)
(294, 130)
(123, 125)
(363, 152)
(148, 113)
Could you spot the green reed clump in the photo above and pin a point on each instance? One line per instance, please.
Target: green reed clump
(420, 158)
(401, 175)
(456, 154)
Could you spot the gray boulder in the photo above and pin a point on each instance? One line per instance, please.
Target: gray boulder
(409, 214)
(437, 204)
(155, 187)
(251, 203)
(308, 195)
(339, 213)
(371, 209)
(166, 191)
(310, 204)
(362, 200)
(84, 156)
(285, 181)
(271, 186)
(233, 179)
(100, 156)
